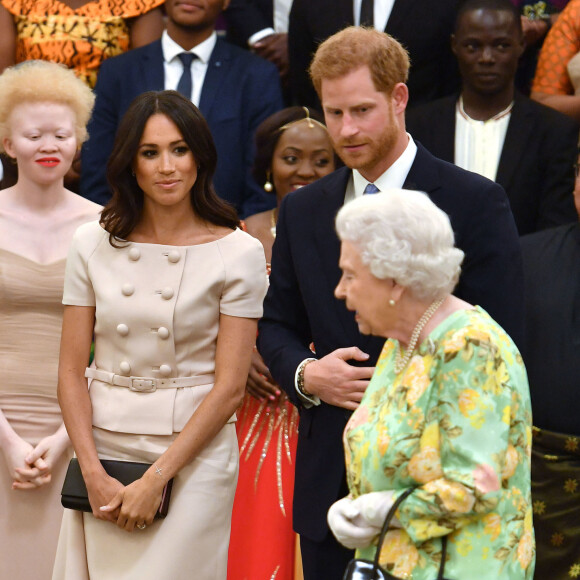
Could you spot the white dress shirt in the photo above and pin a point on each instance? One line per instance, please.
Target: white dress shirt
(174, 68)
(478, 144)
(382, 11)
(394, 176)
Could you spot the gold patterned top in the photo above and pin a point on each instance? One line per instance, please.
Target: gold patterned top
(80, 38)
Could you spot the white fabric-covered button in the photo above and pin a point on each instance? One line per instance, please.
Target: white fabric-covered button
(167, 293)
(174, 256)
(123, 329)
(128, 289)
(163, 332)
(125, 367)
(134, 254)
(165, 370)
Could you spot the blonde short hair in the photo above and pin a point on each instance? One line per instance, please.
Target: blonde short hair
(357, 46)
(39, 81)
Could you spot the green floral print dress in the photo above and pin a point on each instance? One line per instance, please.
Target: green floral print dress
(456, 425)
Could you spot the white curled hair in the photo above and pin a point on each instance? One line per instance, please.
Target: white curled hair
(402, 235)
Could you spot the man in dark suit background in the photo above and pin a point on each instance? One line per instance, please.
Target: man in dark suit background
(423, 27)
(261, 25)
(235, 91)
(360, 75)
(529, 149)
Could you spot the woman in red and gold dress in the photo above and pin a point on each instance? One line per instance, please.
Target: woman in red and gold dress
(293, 149)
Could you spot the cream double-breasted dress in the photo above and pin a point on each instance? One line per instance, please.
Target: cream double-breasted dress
(156, 327)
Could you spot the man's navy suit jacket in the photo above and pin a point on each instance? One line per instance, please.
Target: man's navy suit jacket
(239, 91)
(536, 165)
(300, 306)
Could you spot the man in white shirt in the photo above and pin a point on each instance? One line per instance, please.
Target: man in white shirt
(235, 91)
(360, 75)
(492, 130)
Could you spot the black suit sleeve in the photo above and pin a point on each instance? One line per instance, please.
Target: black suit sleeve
(244, 18)
(284, 332)
(301, 48)
(559, 147)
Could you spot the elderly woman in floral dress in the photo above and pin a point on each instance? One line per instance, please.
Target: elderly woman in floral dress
(446, 414)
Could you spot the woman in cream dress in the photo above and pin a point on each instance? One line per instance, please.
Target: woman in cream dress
(43, 112)
(172, 291)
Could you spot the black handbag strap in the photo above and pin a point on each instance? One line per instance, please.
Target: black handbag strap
(385, 529)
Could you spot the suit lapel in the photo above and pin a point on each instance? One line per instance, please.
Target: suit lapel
(444, 130)
(345, 13)
(328, 244)
(401, 9)
(423, 175)
(217, 69)
(152, 70)
(520, 129)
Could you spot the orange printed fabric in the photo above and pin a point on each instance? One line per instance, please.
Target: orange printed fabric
(79, 38)
(561, 44)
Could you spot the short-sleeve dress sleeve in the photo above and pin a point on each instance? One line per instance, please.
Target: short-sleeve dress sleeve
(78, 288)
(246, 280)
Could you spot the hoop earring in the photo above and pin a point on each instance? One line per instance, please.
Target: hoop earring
(268, 185)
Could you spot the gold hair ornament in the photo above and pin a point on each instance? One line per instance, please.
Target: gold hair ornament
(311, 122)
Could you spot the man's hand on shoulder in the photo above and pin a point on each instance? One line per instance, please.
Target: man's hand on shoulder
(335, 381)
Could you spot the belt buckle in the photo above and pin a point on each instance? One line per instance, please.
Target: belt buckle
(143, 385)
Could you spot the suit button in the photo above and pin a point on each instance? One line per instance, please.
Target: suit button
(167, 293)
(163, 332)
(174, 256)
(134, 254)
(123, 329)
(165, 370)
(128, 289)
(125, 367)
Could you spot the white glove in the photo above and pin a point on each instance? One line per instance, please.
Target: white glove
(347, 525)
(373, 508)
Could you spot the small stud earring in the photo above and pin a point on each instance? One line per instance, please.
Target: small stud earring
(268, 185)
(391, 302)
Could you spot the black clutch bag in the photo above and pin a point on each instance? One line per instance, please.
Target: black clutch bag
(359, 569)
(74, 494)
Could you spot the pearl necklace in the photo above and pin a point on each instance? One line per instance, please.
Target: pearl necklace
(402, 361)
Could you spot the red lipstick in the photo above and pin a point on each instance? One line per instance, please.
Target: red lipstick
(48, 161)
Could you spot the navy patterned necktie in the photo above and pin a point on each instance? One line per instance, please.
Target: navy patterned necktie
(367, 13)
(185, 85)
(371, 188)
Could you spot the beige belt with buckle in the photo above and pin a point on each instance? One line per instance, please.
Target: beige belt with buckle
(147, 384)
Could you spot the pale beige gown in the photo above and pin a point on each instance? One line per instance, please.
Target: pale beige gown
(157, 315)
(30, 325)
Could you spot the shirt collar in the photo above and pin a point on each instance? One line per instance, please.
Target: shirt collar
(394, 176)
(496, 117)
(203, 50)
